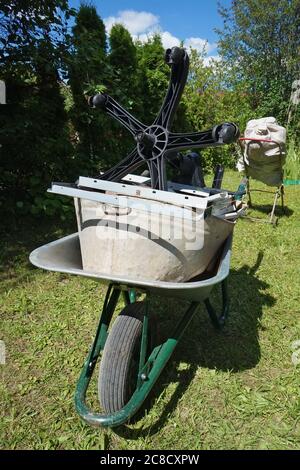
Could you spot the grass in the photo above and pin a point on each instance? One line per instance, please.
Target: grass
(237, 389)
(292, 165)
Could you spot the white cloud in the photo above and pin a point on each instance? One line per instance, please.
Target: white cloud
(142, 25)
(168, 40)
(137, 22)
(200, 44)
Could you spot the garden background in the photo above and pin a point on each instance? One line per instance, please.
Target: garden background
(238, 389)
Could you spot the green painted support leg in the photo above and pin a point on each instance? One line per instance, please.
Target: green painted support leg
(144, 344)
(129, 296)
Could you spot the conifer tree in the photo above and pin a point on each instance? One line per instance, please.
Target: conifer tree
(87, 71)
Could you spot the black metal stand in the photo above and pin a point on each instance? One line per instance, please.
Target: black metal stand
(155, 142)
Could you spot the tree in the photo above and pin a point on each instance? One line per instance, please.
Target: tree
(24, 25)
(208, 102)
(260, 43)
(123, 86)
(153, 76)
(154, 80)
(123, 61)
(33, 128)
(87, 74)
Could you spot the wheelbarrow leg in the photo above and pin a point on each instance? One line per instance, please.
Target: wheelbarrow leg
(218, 321)
(129, 296)
(110, 303)
(144, 344)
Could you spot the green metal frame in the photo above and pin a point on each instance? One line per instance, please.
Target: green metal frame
(150, 369)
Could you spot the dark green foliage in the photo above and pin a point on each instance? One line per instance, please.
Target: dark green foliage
(123, 57)
(124, 87)
(87, 75)
(24, 23)
(153, 76)
(35, 145)
(124, 69)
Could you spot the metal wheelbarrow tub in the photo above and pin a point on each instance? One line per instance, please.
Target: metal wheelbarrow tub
(64, 256)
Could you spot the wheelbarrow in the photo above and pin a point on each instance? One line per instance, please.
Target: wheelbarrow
(131, 357)
(131, 360)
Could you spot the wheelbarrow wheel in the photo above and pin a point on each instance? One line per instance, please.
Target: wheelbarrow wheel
(120, 361)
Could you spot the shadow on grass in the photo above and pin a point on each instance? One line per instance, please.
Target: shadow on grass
(266, 209)
(235, 348)
(18, 237)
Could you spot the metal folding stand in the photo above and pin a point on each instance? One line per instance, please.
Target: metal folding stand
(278, 193)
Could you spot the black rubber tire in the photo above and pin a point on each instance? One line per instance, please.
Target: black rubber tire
(119, 364)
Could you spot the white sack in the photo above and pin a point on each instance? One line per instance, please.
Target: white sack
(263, 161)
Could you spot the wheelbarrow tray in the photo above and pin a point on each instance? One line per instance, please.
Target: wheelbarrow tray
(63, 255)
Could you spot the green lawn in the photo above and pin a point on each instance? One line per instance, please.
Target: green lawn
(237, 389)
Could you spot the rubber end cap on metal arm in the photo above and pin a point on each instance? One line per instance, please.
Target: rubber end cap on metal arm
(174, 55)
(98, 101)
(226, 133)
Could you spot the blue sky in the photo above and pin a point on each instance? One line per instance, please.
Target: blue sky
(190, 20)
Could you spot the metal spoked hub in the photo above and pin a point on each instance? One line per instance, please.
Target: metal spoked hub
(154, 142)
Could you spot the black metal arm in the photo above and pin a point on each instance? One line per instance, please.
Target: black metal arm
(179, 61)
(116, 111)
(155, 142)
(222, 134)
(117, 172)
